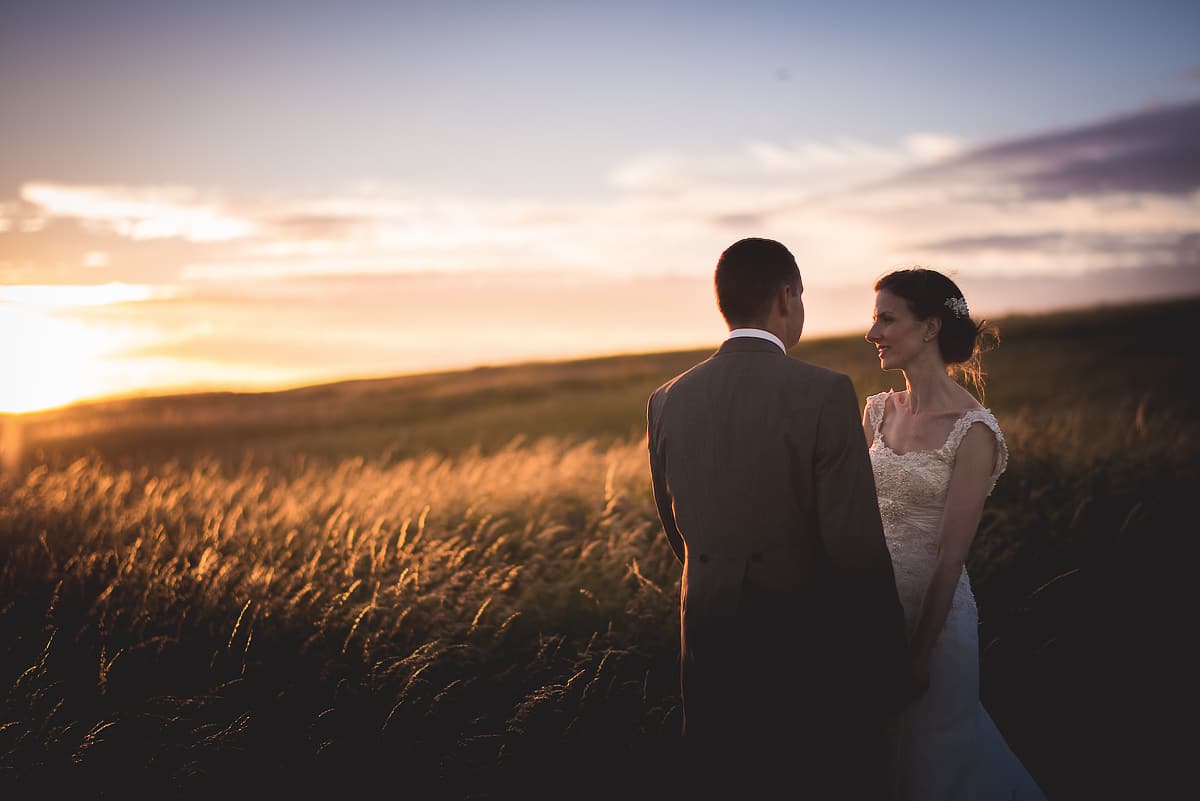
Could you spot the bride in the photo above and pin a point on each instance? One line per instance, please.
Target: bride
(936, 454)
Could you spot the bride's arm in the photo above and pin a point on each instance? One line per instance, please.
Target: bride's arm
(969, 485)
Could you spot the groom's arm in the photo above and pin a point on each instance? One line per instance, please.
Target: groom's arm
(847, 507)
(850, 527)
(658, 478)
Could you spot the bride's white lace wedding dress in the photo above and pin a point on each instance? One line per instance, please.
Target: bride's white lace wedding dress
(946, 746)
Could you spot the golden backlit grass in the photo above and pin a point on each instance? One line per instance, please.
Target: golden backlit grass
(281, 609)
(435, 607)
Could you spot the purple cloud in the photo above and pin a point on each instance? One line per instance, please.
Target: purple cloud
(1156, 151)
(1169, 244)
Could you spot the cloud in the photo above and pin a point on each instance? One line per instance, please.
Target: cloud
(1151, 245)
(847, 160)
(1121, 193)
(799, 168)
(320, 226)
(932, 147)
(96, 259)
(1035, 293)
(1155, 151)
(1099, 196)
(56, 296)
(140, 212)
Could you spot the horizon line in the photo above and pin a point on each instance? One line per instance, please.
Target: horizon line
(202, 390)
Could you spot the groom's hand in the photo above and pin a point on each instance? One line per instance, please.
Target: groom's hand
(919, 678)
(907, 690)
(908, 694)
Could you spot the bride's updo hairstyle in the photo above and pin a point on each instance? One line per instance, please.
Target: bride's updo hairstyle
(961, 339)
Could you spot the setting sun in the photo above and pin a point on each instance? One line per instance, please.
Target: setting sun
(50, 360)
(58, 350)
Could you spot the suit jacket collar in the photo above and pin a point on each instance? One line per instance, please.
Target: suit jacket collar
(749, 345)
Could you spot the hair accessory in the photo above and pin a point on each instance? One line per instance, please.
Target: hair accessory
(958, 306)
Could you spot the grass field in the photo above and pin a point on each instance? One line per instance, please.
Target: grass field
(456, 585)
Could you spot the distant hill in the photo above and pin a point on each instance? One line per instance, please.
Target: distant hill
(1064, 358)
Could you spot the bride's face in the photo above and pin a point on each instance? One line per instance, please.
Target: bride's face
(898, 336)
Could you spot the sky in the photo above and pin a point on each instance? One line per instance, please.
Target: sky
(257, 195)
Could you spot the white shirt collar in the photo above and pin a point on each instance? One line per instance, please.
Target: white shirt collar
(758, 333)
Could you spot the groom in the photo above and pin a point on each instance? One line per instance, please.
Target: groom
(793, 646)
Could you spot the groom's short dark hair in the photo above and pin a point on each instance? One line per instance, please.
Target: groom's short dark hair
(748, 274)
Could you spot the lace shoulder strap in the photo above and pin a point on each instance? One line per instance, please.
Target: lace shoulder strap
(988, 419)
(875, 404)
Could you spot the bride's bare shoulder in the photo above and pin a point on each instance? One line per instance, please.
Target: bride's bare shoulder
(966, 402)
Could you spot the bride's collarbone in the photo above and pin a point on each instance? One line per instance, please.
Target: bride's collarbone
(906, 431)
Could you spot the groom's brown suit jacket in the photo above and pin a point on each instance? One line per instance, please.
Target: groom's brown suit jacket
(790, 619)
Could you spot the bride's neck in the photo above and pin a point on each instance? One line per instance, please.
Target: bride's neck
(927, 387)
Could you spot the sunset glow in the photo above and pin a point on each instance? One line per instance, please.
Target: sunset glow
(465, 184)
(49, 361)
(54, 356)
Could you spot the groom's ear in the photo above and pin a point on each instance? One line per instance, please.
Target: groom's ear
(783, 298)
